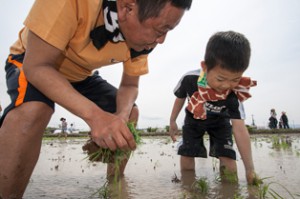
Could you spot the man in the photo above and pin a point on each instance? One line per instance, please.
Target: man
(53, 61)
(284, 119)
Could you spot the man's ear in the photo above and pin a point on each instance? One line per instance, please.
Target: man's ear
(125, 8)
(203, 66)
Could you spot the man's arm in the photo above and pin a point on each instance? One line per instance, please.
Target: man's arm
(243, 142)
(107, 129)
(126, 96)
(178, 104)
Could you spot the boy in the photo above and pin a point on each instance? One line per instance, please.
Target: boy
(215, 101)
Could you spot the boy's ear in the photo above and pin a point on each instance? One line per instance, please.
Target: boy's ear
(203, 66)
(125, 8)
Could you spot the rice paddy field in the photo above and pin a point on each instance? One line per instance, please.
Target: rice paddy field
(64, 172)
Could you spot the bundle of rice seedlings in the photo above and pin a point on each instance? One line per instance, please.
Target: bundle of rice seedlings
(98, 154)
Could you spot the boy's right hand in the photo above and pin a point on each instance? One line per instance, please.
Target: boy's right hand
(173, 131)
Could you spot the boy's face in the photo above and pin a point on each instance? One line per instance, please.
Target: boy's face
(221, 79)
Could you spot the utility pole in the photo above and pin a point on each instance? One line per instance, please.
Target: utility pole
(253, 123)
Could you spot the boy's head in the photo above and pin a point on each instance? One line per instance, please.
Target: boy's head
(229, 50)
(226, 58)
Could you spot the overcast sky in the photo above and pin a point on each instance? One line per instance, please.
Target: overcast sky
(272, 27)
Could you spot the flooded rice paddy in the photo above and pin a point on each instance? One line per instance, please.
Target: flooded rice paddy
(153, 172)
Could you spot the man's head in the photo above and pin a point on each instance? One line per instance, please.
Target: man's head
(226, 59)
(151, 9)
(145, 23)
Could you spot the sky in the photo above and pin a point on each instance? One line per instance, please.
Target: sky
(272, 27)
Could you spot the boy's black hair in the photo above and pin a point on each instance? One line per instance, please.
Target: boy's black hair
(230, 50)
(151, 8)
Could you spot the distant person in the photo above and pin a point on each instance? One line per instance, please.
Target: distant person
(215, 102)
(64, 128)
(273, 119)
(71, 128)
(284, 119)
(280, 124)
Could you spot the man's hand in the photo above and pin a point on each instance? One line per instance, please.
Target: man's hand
(113, 133)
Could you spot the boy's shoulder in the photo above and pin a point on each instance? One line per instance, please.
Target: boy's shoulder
(187, 84)
(193, 72)
(189, 76)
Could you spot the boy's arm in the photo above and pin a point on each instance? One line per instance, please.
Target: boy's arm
(178, 104)
(243, 142)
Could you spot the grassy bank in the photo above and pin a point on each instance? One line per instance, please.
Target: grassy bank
(273, 131)
(164, 133)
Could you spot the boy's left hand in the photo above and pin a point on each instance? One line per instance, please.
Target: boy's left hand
(253, 178)
(173, 130)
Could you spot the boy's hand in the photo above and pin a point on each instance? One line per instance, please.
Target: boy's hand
(173, 131)
(252, 178)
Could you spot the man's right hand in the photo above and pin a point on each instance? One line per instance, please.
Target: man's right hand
(112, 132)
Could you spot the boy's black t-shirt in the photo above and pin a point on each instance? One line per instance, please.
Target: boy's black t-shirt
(229, 108)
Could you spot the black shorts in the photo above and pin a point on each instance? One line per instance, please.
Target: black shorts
(20, 90)
(220, 137)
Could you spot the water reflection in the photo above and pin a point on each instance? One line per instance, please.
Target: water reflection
(63, 172)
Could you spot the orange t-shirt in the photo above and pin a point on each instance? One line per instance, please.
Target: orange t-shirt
(66, 25)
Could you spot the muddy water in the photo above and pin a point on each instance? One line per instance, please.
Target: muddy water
(63, 172)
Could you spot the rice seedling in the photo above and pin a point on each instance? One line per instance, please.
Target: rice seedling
(237, 196)
(266, 190)
(98, 154)
(227, 176)
(257, 181)
(281, 142)
(201, 185)
(103, 192)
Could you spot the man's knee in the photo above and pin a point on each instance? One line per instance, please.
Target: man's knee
(28, 115)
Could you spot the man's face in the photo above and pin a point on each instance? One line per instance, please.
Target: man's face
(149, 33)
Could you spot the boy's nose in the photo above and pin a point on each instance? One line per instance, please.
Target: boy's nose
(225, 86)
